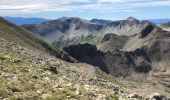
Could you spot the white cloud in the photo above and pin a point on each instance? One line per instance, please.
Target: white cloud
(110, 1)
(33, 6)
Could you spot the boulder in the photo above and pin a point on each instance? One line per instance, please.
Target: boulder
(156, 96)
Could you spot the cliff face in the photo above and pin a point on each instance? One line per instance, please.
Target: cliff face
(144, 55)
(111, 42)
(116, 63)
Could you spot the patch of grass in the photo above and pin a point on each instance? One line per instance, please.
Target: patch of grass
(14, 88)
(167, 90)
(108, 77)
(64, 93)
(17, 77)
(77, 40)
(3, 93)
(112, 97)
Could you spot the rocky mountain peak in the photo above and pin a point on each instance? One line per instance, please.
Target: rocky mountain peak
(63, 18)
(131, 19)
(100, 21)
(77, 20)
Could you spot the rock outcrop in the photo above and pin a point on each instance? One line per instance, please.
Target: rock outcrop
(111, 42)
(117, 63)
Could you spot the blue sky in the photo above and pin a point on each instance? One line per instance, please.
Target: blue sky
(88, 9)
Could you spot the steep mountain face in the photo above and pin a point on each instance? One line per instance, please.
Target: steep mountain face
(56, 31)
(24, 38)
(127, 27)
(21, 20)
(146, 54)
(159, 51)
(100, 21)
(116, 63)
(111, 42)
(165, 26)
(156, 44)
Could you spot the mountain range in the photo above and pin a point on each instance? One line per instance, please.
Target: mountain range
(75, 28)
(22, 20)
(159, 21)
(125, 35)
(74, 58)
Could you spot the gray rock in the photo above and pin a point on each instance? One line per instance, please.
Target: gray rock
(156, 96)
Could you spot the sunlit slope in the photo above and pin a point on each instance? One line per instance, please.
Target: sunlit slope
(26, 39)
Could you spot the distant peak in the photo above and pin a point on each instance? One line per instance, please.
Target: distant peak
(132, 19)
(64, 18)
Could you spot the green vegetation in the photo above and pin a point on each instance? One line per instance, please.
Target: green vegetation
(23, 80)
(110, 78)
(16, 77)
(76, 40)
(112, 97)
(167, 90)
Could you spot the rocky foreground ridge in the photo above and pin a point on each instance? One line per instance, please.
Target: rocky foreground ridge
(30, 69)
(27, 74)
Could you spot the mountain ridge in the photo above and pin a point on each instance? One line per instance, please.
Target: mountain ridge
(22, 20)
(25, 38)
(55, 30)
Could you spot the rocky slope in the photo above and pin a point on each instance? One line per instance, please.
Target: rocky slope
(116, 63)
(134, 66)
(27, 73)
(24, 38)
(156, 44)
(141, 56)
(111, 42)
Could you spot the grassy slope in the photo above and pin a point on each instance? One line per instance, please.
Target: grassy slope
(31, 77)
(22, 80)
(76, 40)
(24, 38)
